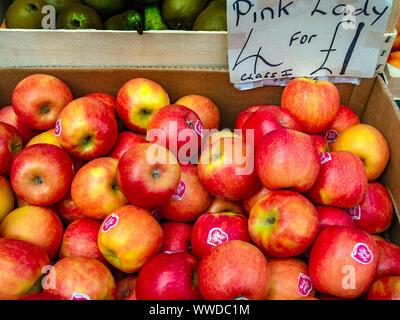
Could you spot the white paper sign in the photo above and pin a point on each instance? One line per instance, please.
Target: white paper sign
(277, 39)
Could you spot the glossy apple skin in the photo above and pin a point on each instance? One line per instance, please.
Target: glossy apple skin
(283, 224)
(107, 99)
(46, 137)
(148, 183)
(7, 115)
(287, 159)
(38, 99)
(314, 103)
(36, 225)
(206, 109)
(369, 144)
(41, 174)
(80, 239)
(125, 141)
(342, 181)
(94, 188)
(321, 143)
(229, 226)
(7, 198)
(83, 276)
(219, 205)
(375, 209)
(249, 203)
(268, 119)
(331, 261)
(88, 128)
(226, 169)
(246, 113)
(177, 236)
(221, 273)
(331, 216)
(137, 100)
(286, 275)
(135, 238)
(125, 288)
(169, 276)
(187, 205)
(21, 266)
(10, 146)
(386, 288)
(68, 210)
(39, 296)
(388, 258)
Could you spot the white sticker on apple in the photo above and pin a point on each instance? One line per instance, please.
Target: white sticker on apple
(361, 253)
(110, 222)
(216, 236)
(355, 212)
(331, 136)
(198, 126)
(304, 285)
(79, 296)
(58, 128)
(325, 157)
(180, 192)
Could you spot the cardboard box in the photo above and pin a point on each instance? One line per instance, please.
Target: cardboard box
(391, 76)
(371, 100)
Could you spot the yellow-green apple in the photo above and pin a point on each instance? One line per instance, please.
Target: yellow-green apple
(289, 279)
(7, 115)
(343, 262)
(125, 141)
(250, 202)
(148, 175)
(137, 100)
(375, 212)
(125, 288)
(331, 216)
(68, 210)
(10, 146)
(7, 199)
(94, 188)
(206, 109)
(246, 113)
(314, 103)
(41, 174)
(388, 258)
(80, 239)
(226, 169)
(342, 181)
(177, 236)
(169, 276)
(286, 158)
(234, 270)
(369, 144)
(86, 128)
(283, 223)
(107, 99)
(39, 296)
(344, 119)
(394, 59)
(80, 278)
(178, 129)
(21, 265)
(36, 225)
(189, 200)
(220, 205)
(212, 229)
(46, 137)
(268, 119)
(39, 98)
(129, 237)
(386, 288)
(321, 143)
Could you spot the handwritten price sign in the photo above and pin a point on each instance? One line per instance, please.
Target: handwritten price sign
(275, 39)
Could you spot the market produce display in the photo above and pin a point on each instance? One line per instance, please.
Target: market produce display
(139, 15)
(132, 197)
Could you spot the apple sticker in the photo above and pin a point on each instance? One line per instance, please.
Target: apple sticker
(198, 126)
(180, 192)
(325, 157)
(304, 285)
(57, 130)
(110, 222)
(79, 296)
(355, 212)
(361, 253)
(331, 136)
(216, 236)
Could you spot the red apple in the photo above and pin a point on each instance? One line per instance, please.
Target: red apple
(129, 237)
(342, 181)
(7, 198)
(148, 175)
(388, 258)
(394, 59)
(283, 224)
(212, 229)
(246, 113)
(38, 99)
(169, 276)
(7, 115)
(189, 200)
(219, 205)
(331, 216)
(94, 188)
(249, 203)
(125, 141)
(39, 296)
(125, 288)
(287, 159)
(177, 236)
(107, 99)
(41, 174)
(81, 278)
(36, 225)
(87, 128)
(21, 265)
(10, 146)
(386, 288)
(343, 262)
(234, 270)
(321, 143)
(68, 210)
(137, 100)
